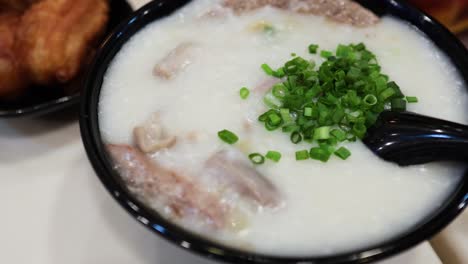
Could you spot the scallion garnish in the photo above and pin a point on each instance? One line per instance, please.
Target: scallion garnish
(257, 158)
(398, 105)
(227, 136)
(286, 115)
(267, 69)
(308, 111)
(370, 100)
(244, 93)
(335, 103)
(339, 134)
(319, 153)
(326, 54)
(302, 155)
(322, 133)
(411, 99)
(313, 48)
(343, 153)
(330, 104)
(296, 137)
(274, 119)
(273, 155)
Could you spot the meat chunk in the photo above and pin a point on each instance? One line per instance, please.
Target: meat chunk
(341, 11)
(151, 137)
(176, 61)
(241, 6)
(216, 12)
(235, 172)
(171, 194)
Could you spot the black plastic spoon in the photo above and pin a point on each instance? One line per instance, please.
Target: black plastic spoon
(409, 139)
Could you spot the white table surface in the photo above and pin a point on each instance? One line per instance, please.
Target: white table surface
(55, 210)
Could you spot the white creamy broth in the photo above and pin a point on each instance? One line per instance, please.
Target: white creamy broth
(327, 207)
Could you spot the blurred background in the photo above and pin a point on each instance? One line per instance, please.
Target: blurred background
(452, 13)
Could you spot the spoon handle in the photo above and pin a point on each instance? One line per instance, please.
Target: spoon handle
(415, 139)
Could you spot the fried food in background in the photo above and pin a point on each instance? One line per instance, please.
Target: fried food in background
(54, 37)
(15, 5)
(452, 13)
(48, 42)
(12, 80)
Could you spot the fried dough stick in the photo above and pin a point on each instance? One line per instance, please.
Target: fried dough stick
(55, 37)
(12, 77)
(15, 5)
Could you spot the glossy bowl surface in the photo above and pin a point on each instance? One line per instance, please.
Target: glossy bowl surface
(42, 100)
(104, 169)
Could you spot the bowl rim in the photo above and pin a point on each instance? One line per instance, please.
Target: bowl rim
(44, 107)
(100, 160)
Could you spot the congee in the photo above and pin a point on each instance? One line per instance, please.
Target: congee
(240, 121)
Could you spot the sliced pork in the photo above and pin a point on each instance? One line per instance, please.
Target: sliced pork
(171, 194)
(235, 172)
(341, 11)
(151, 136)
(175, 61)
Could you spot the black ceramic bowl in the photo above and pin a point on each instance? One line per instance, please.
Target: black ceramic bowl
(103, 167)
(42, 100)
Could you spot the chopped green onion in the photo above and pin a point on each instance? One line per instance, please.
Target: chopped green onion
(360, 46)
(244, 93)
(273, 155)
(322, 133)
(370, 100)
(338, 115)
(256, 158)
(275, 119)
(227, 136)
(398, 105)
(396, 88)
(285, 115)
(411, 99)
(290, 128)
(319, 153)
(339, 134)
(308, 111)
(343, 153)
(332, 141)
(326, 54)
(313, 48)
(279, 73)
(327, 147)
(359, 130)
(270, 127)
(334, 102)
(302, 155)
(264, 117)
(279, 90)
(271, 101)
(296, 137)
(267, 69)
(387, 93)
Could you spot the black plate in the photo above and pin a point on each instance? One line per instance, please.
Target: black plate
(42, 100)
(103, 167)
